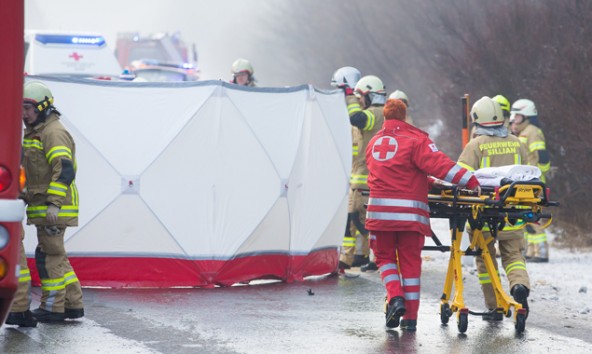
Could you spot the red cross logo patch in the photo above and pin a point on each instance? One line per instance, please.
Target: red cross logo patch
(384, 148)
(76, 56)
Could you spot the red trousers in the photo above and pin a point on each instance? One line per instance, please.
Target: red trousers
(398, 257)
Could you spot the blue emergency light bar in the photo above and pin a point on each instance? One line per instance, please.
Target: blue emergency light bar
(94, 41)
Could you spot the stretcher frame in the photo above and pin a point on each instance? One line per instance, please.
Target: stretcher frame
(514, 203)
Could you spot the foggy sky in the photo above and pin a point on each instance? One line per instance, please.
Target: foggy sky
(221, 29)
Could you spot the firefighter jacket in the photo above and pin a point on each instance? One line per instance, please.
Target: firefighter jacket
(360, 138)
(400, 158)
(50, 167)
(533, 138)
(494, 151)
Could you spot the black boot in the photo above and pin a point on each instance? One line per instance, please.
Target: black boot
(409, 325)
(520, 294)
(493, 316)
(359, 260)
(343, 265)
(74, 313)
(368, 267)
(394, 311)
(47, 316)
(21, 319)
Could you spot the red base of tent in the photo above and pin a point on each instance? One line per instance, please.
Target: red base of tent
(121, 272)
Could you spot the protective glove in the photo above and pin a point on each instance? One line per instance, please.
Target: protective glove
(52, 230)
(347, 90)
(530, 229)
(52, 214)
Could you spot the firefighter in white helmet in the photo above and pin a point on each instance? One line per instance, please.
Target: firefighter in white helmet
(242, 73)
(354, 248)
(524, 123)
(364, 104)
(494, 146)
(49, 160)
(398, 94)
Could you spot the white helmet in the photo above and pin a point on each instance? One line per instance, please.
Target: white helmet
(370, 84)
(400, 95)
(37, 94)
(524, 107)
(346, 77)
(487, 113)
(242, 65)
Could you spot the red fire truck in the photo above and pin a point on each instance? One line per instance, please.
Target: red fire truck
(11, 208)
(157, 57)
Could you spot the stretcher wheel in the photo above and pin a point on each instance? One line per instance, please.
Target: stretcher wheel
(463, 322)
(520, 324)
(445, 313)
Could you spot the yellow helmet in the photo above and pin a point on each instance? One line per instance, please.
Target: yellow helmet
(487, 113)
(241, 65)
(503, 102)
(37, 94)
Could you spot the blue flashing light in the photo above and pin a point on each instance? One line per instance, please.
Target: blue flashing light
(93, 41)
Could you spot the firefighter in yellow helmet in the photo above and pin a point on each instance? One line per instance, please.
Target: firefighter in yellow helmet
(365, 107)
(398, 94)
(524, 123)
(49, 160)
(494, 146)
(242, 73)
(354, 248)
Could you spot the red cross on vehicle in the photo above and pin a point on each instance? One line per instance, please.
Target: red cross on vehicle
(76, 56)
(384, 148)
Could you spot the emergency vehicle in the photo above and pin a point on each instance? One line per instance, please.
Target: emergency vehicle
(12, 209)
(69, 53)
(157, 57)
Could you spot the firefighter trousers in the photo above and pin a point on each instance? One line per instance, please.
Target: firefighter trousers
(60, 288)
(398, 257)
(511, 246)
(355, 241)
(536, 237)
(22, 297)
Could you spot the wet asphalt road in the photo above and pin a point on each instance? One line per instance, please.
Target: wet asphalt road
(343, 316)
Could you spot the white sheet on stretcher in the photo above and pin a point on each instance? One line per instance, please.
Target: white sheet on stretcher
(492, 176)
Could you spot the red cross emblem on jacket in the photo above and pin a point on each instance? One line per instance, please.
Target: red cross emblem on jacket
(384, 148)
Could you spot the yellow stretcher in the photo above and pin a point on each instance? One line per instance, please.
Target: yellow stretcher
(513, 203)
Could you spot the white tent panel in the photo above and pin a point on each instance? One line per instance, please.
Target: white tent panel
(275, 121)
(317, 183)
(272, 234)
(127, 228)
(228, 175)
(335, 228)
(143, 127)
(335, 111)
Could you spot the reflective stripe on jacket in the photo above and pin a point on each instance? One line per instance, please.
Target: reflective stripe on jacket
(361, 137)
(50, 168)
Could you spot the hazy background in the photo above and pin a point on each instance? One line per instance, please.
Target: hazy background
(435, 51)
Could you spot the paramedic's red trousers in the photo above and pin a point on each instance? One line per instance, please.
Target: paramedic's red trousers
(400, 278)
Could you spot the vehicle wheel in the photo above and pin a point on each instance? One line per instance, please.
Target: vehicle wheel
(445, 313)
(520, 324)
(463, 322)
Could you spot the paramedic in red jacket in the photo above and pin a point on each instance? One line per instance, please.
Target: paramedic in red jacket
(400, 157)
